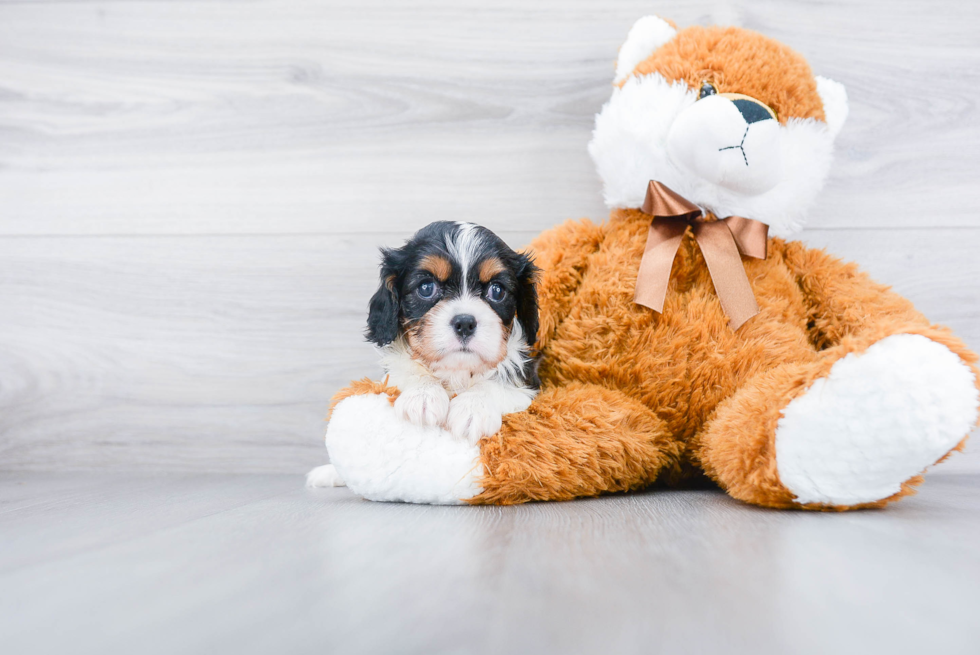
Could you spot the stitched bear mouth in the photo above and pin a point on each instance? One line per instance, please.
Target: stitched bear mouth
(740, 146)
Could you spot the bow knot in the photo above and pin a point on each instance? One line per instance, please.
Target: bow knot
(721, 242)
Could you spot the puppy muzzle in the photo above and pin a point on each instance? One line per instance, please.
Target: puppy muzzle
(466, 334)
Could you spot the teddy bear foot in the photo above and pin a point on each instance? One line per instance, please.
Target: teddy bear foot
(382, 457)
(877, 420)
(324, 476)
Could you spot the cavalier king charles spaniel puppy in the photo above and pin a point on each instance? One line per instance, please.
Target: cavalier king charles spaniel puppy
(455, 318)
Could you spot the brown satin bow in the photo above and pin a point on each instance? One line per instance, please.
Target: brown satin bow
(721, 244)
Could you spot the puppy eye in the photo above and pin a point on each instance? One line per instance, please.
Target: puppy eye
(496, 292)
(427, 290)
(707, 89)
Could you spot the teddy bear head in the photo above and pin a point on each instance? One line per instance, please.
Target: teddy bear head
(732, 120)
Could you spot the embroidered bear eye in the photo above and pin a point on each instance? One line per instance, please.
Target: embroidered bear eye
(427, 290)
(707, 89)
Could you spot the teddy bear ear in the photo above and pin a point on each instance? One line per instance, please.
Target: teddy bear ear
(834, 98)
(646, 35)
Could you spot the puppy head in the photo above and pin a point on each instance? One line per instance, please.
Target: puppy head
(458, 296)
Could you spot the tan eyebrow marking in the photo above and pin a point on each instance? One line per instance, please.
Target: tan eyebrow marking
(489, 268)
(438, 266)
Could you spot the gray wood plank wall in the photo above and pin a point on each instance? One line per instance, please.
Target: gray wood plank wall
(192, 194)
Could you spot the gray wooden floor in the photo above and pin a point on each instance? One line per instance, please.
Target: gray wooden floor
(197, 563)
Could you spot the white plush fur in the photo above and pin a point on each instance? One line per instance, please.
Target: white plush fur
(834, 97)
(646, 35)
(324, 476)
(879, 418)
(382, 457)
(630, 148)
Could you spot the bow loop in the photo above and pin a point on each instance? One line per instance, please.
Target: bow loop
(751, 237)
(663, 202)
(721, 242)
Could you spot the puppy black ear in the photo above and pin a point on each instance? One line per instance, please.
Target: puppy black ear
(527, 297)
(382, 325)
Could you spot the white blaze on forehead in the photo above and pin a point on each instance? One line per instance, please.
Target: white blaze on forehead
(464, 245)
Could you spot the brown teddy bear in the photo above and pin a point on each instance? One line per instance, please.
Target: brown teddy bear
(685, 336)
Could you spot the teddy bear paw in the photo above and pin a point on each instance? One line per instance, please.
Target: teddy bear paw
(876, 420)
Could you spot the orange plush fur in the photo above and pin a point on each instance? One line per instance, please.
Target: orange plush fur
(631, 396)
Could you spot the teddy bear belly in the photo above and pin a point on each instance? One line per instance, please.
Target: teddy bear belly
(683, 362)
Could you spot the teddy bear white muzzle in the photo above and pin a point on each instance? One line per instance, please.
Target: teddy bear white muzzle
(734, 143)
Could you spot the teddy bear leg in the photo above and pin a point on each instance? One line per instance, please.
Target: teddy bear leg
(855, 432)
(573, 441)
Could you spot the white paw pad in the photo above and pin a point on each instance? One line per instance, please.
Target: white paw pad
(879, 418)
(324, 476)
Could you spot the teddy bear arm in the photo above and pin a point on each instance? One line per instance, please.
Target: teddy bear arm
(846, 307)
(573, 441)
(562, 253)
(848, 312)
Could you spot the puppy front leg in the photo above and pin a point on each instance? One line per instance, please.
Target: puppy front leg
(477, 412)
(423, 400)
(425, 403)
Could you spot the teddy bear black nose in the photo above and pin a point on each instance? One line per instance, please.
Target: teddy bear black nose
(752, 111)
(464, 325)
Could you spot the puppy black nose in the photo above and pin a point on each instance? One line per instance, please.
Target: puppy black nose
(751, 111)
(464, 325)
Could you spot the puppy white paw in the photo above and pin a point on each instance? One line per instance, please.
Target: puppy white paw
(324, 476)
(425, 405)
(471, 417)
